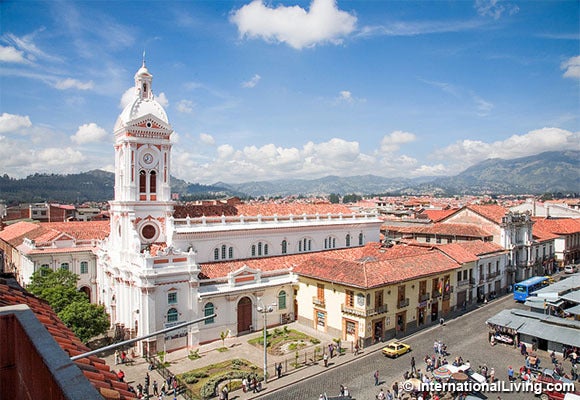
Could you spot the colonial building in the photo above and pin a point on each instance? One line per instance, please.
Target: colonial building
(162, 264)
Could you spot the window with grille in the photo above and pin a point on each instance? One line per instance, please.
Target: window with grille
(172, 315)
(84, 267)
(208, 310)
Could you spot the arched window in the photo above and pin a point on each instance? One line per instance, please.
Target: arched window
(360, 239)
(231, 252)
(216, 254)
(64, 266)
(172, 315)
(348, 240)
(282, 300)
(223, 251)
(333, 243)
(253, 250)
(300, 246)
(142, 181)
(84, 267)
(284, 246)
(153, 182)
(309, 244)
(325, 243)
(259, 248)
(265, 249)
(208, 309)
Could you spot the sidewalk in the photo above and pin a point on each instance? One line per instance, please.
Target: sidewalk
(238, 347)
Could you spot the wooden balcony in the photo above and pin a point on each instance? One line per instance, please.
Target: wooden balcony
(403, 303)
(318, 302)
(363, 312)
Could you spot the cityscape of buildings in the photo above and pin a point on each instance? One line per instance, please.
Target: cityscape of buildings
(365, 272)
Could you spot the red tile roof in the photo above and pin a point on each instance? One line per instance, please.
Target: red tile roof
(14, 233)
(557, 226)
(438, 215)
(492, 212)
(94, 369)
(464, 252)
(47, 231)
(447, 229)
(291, 208)
(379, 269)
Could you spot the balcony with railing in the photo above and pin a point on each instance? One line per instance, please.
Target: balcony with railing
(363, 312)
(435, 294)
(472, 281)
(403, 303)
(463, 283)
(492, 275)
(423, 297)
(318, 302)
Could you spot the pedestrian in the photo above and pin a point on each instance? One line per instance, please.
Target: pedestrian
(388, 395)
(413, 368)
(225, 392)
(492, 375)
(245, 385)
(155, 388)
(331, 349)
(139, 390)
(325, 358)
(381, 395)
(146, 379)
(117, 358)
(435, 347)
(121, 375)
(123, 357)
(376, 376)
(356, 348)
(395, 388)
(279, 370)
(341, 390)
(255, 384)
(510, 373)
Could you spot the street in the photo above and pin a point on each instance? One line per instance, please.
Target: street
(466, 336)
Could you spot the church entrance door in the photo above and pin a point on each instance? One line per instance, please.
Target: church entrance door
(244, 315)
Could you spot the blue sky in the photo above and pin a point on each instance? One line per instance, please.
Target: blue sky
(292, 89)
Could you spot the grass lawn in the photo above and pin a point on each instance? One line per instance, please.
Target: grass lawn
(203, 381)
(284, 340)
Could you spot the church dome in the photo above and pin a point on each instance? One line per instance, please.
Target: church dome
(143, 103)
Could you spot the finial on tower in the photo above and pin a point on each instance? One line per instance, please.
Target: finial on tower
(143, 57)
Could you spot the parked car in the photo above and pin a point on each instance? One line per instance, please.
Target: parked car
(396, 349)
(549, 375)
(551, 395)
(570, 269)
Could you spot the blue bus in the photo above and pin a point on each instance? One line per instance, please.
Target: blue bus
(525, 288)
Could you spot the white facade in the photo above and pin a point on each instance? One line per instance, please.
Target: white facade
(148, 269)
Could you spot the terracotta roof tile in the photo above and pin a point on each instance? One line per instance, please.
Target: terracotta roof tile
(438, 215)
(492, 212)
(557, 226)
(12, 294)
(291, 208)
(447, 229)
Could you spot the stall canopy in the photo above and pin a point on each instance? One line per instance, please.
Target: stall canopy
(574, 310)
(546, 327)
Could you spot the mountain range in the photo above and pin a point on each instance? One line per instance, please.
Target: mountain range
(548, 172)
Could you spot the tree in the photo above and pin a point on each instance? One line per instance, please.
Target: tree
(59, 290)
(86, 320)
(334, 198)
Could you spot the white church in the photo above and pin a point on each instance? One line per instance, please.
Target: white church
(155, 270)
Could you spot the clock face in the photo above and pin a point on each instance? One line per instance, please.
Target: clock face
(148, 158)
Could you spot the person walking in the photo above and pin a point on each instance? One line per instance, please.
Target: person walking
(356, 348)
(325, 358)
(395, 388)
(381, 395)
(376, 376)
(413, 368)
(279, 370)
(510, 373)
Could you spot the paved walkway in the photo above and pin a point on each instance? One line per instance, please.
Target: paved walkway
(238, 347)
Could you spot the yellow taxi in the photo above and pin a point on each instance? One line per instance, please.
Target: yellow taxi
(396, 349)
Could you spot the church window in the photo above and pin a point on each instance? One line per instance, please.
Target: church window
(333, 243)
(172, 298)
(282, 300)
(172, 315)
(216, 254)
(325, 243)
(44, 269)
(208, 310)
(231, 252)
(64, 266)
(223, 251)
(348, 240)
(309, 244)
(266, 249)
(148, 231)
(300, 246)
(259, 248)
(153, 182)
(360, 239)
(253, 250)
(142, 181)
(284, 247)
(84, 267)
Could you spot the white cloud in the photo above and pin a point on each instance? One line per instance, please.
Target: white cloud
(495, 8)
(345, 95)
(69, 83)
(468, 152)
(162, 99)
(293, 25)
(12, 55)
(572, 67)
(252, 82)
(483, 107)
(206, 139)
(393, 141)
(58, 156)
(185, 106)
(127, 97)
(13, 123)
(88, 133)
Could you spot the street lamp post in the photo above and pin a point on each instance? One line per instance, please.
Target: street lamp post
(264, 311)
